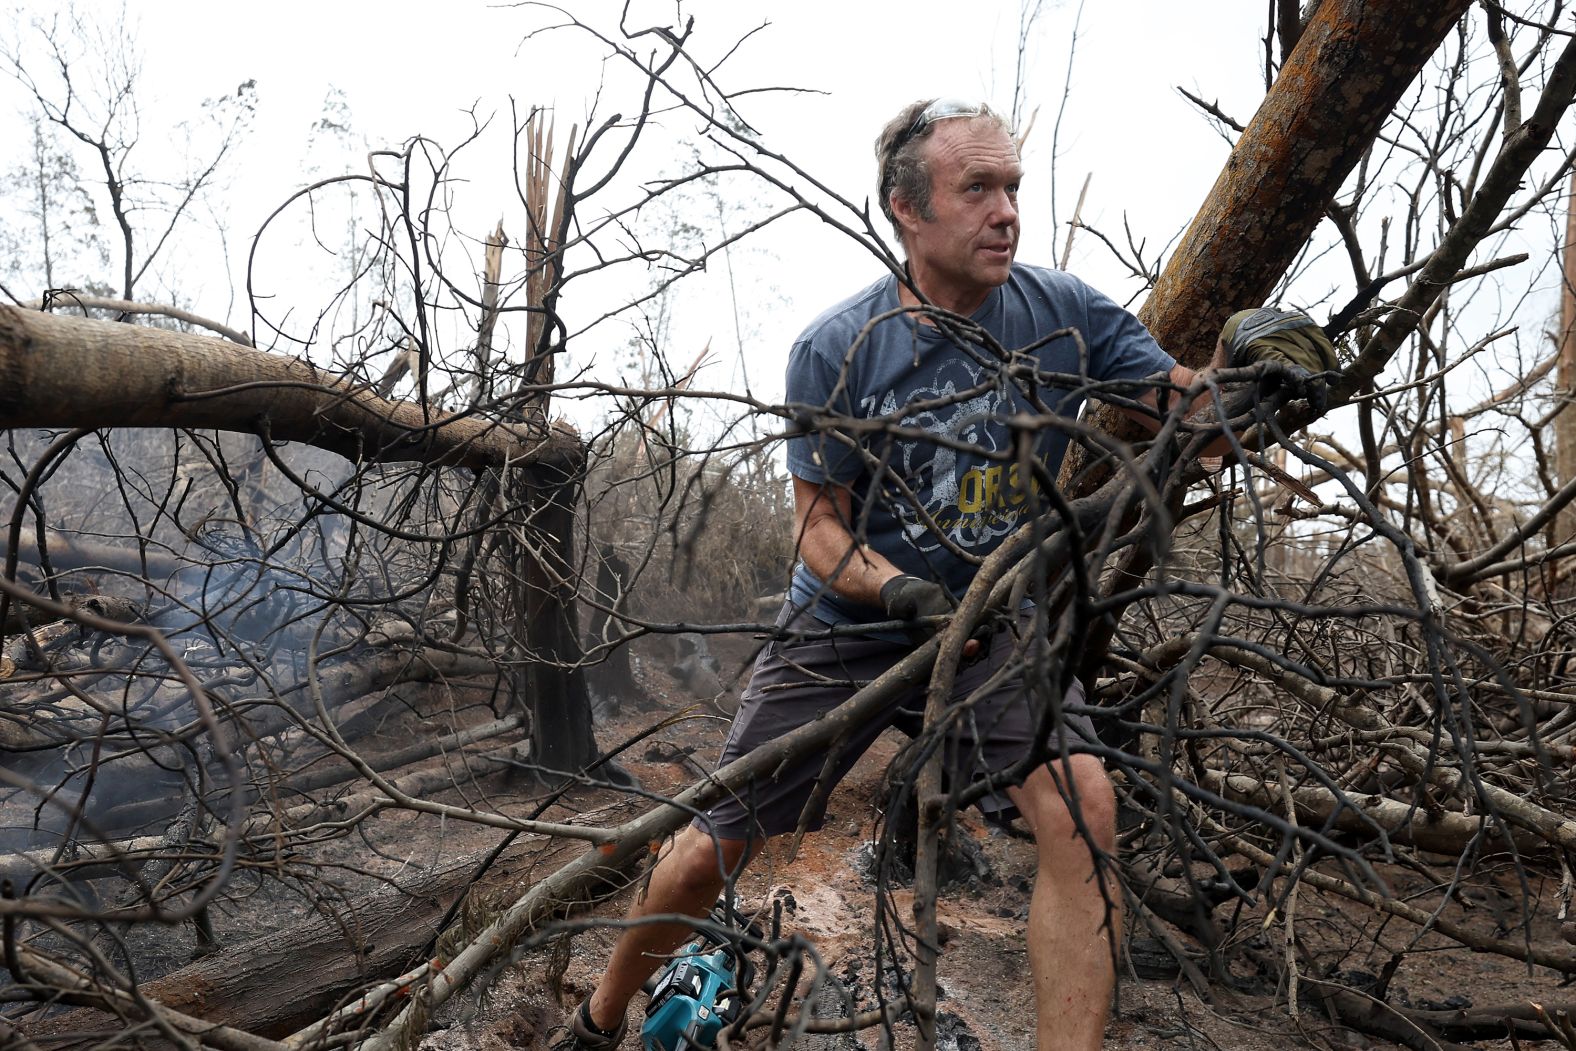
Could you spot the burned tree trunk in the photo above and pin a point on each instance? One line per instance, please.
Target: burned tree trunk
(73, 552)
(1564, 523)
(544, 572)
(611, 679)
(551, 680)
(63, 371)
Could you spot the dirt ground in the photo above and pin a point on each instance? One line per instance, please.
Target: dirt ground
(986, 997)
(828, 897)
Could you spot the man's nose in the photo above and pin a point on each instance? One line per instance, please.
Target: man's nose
(1004, 209)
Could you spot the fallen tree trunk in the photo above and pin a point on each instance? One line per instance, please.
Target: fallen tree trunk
(341, 771)
(1404, 1025)
(75, 372)
(1373, 1016)
(352, 809)
(263, 716)
(120, 1007)
(97, 860)
(1443, 832)
(274, 984)
(140, 771)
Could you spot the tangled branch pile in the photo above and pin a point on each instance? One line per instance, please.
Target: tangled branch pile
(317, 617)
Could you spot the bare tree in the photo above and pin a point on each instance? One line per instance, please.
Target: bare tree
(80, 72)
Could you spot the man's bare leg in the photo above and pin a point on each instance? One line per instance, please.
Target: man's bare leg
(687, 880)
(1069, 925)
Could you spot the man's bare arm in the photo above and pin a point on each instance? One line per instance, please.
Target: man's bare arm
(822, 514)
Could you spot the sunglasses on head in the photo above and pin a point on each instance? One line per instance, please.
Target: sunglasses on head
(941, 109)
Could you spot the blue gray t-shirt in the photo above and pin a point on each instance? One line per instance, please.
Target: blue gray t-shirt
(950, 480)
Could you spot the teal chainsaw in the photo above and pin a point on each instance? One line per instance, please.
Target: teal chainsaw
(702, 989)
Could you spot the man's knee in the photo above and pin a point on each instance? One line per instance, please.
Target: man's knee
(1065, 807)
(697, 862)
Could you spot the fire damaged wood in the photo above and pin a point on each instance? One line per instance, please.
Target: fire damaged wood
(37, 647)
(123, 1012)
(1439, 831)
(273, 985)
(411, 785)
(100, 860)
(126, 784)
(109, 607)
(1370, 1010)
(610, 678)
(551, 679)
(262, 715)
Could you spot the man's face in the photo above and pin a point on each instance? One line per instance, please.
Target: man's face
(966, 248)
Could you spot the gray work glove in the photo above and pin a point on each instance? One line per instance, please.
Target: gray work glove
(910, 598)
(1297, 352)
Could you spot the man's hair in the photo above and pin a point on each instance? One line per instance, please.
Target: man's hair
(900, 164)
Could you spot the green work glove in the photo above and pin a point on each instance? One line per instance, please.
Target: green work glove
(1287, 336)
(1296, 346)
(912, 599)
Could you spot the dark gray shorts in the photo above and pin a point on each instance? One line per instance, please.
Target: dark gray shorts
(797, 680)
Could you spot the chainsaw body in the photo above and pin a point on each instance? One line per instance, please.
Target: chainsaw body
(702, 989)
(695, 996)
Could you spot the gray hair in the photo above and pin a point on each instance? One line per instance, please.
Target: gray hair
(900, 164)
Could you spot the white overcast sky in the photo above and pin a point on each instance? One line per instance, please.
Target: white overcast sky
(411, 68)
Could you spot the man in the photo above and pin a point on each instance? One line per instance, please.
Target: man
(892, 523)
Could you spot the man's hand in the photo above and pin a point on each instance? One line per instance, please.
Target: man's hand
(910, 598)
(1297, 348)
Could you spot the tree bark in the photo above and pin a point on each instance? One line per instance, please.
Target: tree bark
(1565, 382)
(552, 682)
(75, 372)
(279, 982)
(67, 551)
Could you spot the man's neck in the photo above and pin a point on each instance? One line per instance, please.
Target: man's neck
(959, 301)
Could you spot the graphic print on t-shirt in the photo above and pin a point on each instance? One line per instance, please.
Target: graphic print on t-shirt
(968, 494)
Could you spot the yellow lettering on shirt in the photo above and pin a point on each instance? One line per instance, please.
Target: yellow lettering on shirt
(971, 491)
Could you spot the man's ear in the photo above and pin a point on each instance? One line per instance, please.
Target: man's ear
(903, 210)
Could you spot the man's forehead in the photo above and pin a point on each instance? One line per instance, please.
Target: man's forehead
(973, 148)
